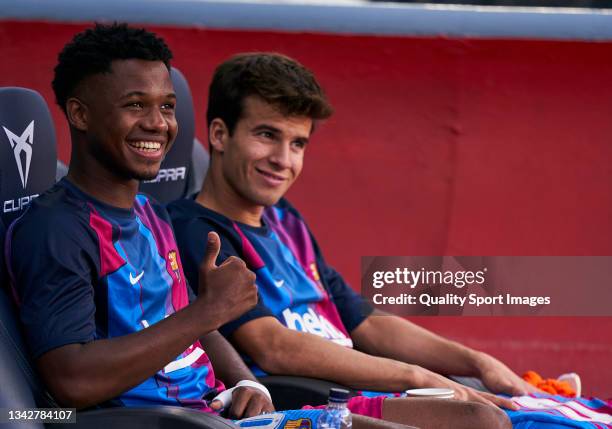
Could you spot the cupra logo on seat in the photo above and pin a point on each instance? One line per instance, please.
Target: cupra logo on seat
(22, 144)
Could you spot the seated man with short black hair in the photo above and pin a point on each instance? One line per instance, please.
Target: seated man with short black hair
(262, 109)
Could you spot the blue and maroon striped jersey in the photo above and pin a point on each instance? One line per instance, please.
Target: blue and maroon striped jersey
(82, 271)
(295, 284)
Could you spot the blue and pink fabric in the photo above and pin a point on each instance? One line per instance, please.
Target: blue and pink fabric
(548, 412)
(285, 262)
(86, 271)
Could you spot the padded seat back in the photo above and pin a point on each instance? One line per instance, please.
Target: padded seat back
(18, 379)
(200, 160)
(27, 169)
(27, 150)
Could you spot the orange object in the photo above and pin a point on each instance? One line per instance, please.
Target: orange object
(549, 385)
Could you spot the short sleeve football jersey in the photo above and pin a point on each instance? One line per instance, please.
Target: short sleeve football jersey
(295, 284)
(84, 271)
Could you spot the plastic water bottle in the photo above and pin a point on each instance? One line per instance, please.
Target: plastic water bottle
(336, 415)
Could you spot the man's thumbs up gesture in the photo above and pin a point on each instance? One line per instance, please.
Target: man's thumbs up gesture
(227, 290)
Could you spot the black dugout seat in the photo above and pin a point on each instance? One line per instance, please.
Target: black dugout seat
(27, 130)
(177, 177)
(200, 160)
(291, 392)
(60, 171)
(19, 385)
(27, 149)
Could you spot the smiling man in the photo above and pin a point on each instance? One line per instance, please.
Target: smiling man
(262, 110)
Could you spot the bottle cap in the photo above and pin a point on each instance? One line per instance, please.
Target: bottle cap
(339, 395)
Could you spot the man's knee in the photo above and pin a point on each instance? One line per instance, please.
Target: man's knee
(363, 422)
(487, 416)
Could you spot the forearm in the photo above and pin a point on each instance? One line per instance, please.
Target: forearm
(227, 363)
(83, 375)
(407, 342)
(289, 352)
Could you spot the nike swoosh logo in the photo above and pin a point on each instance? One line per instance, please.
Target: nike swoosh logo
(136, 279)
(279, 283)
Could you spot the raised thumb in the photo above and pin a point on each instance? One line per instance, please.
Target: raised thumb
(213, 246)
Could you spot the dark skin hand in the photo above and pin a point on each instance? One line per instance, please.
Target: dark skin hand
(82, 375)
(246, 402)
(229, 367)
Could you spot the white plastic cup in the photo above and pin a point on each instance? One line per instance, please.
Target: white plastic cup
(437, 393)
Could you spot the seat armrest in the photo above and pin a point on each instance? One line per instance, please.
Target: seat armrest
(146, 418)
(289, 393)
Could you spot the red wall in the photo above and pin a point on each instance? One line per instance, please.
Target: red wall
(439, 146)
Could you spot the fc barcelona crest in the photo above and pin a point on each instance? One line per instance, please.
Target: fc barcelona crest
(174, 264)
